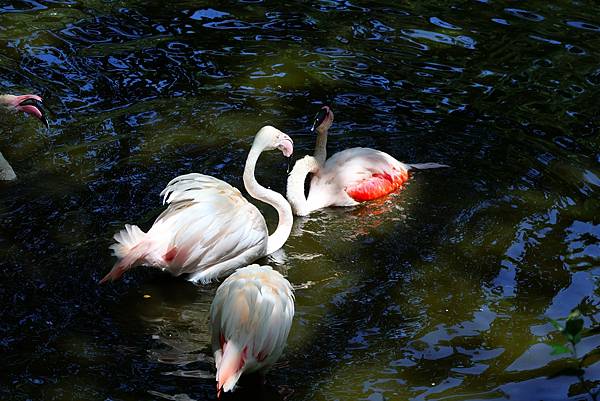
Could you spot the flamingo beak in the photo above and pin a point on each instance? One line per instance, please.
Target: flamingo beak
(286, 146)
(34, 107)
(319, 118)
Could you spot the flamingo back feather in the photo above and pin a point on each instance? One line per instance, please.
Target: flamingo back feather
(355, 175)
(207, 230)
(251, 316)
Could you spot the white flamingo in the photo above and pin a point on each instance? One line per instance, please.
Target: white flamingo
(209, 229)
(346, 178)
(250, 319)
(29, 104)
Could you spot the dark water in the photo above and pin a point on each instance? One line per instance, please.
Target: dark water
(443, 291)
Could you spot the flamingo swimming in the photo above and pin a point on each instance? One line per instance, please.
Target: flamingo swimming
(348, 177)
(209, 229)
(30, 104)
(250, 319)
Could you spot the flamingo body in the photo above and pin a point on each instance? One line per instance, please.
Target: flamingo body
(250, 317)
(348, 177)
(208, 228)
(361, 174)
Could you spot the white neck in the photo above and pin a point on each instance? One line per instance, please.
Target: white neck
(257, 191)
(295, 184)
(321, 146)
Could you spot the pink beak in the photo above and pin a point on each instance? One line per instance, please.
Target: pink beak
(286, 146)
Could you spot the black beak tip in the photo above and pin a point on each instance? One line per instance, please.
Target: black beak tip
(319, 118)
(31, 102)
(38, 105)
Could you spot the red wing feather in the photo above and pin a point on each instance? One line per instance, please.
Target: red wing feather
(378, 185)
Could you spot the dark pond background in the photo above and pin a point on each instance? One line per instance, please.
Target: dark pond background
(443, 291)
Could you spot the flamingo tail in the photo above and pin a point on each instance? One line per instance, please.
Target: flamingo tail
(130, 248)
(127, 239)
(425, 166)
(230, 367)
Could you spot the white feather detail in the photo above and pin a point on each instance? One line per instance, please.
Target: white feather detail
(195, 187)
(126, 239)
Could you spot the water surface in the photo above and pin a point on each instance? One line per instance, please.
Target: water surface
(442, 291)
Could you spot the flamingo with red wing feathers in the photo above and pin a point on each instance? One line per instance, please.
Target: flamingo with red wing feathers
(348, 177)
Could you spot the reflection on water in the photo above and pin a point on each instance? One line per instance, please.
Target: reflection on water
(441, 291)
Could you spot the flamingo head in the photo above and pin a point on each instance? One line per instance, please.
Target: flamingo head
(323, 120)
(29, 104)
(269, 138)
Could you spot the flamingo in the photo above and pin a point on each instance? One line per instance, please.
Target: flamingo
(348, 177)
(30, 104)
(250, 319)
(209, 229)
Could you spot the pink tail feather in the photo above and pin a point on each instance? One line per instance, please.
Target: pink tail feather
(130, 248)
(230, 367)
(132, 259)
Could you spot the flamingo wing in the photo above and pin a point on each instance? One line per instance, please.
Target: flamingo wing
(208, 228)
(376, 186)
(251, 316)
(359, 174)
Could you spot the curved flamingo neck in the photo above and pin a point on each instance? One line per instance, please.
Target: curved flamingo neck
(321, 146)
(295, 184)
(257, 191)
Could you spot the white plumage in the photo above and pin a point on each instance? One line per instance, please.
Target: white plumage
(346, 178)
(208, 223)
(250, 317)
(208, 229)
(331, 180)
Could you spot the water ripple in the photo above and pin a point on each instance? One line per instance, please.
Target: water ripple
(524, 14)
(440, 291)
(462, 41)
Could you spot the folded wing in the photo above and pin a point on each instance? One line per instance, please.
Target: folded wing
(207, 224)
